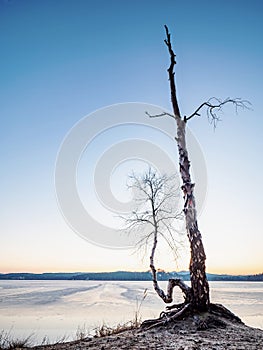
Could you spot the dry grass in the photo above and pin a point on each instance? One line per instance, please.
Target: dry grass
(82, 333)
(8, 342)
(105, 330)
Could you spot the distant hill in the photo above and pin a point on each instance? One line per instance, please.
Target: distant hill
(124, 276)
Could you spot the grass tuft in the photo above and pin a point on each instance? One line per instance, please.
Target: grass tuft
(82, 333)
(105, 330)
(7, 342)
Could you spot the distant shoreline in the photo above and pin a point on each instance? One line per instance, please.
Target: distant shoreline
(125, 276)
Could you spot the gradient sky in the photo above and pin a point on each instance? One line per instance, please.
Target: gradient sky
(61, 60)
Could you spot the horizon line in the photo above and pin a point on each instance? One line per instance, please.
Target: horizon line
(115, 271)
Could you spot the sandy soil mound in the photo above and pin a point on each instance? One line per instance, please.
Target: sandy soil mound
(182, 335)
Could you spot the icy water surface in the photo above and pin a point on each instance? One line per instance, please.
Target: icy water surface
(58, 308)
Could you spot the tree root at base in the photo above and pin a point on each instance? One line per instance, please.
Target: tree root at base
(202, 320)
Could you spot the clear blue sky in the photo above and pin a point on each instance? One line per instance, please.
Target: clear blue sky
(61, 60)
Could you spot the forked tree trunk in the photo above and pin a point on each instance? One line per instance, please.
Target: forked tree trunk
(199, 284)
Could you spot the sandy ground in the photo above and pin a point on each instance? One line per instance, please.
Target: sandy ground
(180, 336)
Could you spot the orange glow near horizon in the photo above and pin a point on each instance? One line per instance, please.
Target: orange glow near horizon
(27, 269)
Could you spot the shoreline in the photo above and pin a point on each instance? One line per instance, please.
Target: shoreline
(181, 335)
(124, 276)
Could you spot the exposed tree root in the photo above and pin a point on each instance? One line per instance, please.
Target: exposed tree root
(220, 310)
(213, 318)
(165, 318)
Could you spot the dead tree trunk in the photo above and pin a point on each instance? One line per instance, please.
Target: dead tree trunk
(197, 297)
(199, 284)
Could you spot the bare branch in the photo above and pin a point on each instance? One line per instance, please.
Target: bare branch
(143, 242)
(171, 74)
(160, 115)
(214, 106)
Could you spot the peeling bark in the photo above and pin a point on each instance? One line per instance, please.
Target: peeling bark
(199, 284)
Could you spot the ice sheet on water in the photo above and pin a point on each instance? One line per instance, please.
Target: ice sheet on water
(38, 296)
(56, 308)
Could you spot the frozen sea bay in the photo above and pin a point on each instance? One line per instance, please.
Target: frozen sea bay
(58, 308)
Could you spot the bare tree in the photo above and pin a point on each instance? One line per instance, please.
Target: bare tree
(154, 217)
(197, 297)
